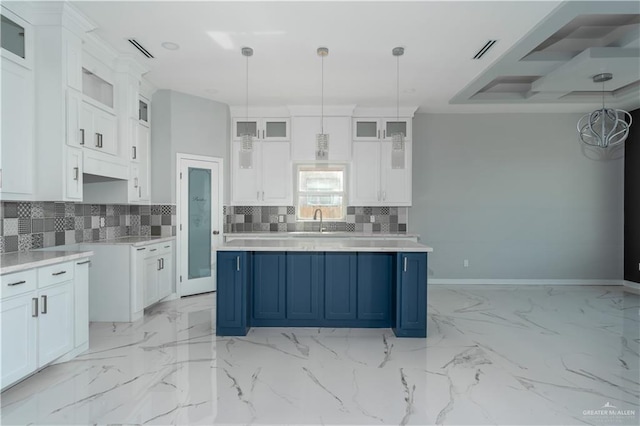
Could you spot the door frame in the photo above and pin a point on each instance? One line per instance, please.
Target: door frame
(179, 157)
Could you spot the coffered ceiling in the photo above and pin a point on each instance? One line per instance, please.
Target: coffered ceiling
(545, 55)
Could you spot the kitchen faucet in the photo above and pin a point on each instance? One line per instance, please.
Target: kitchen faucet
(315, 217)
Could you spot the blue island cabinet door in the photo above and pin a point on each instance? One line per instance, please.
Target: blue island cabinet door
(375, 276)
(340, 281)
(231, 303)
(268, 285)
(411, 295)
(303, 286)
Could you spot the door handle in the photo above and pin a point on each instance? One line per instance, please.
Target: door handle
(44, 304)
(216, 232)
(34, 307)
(81, 136)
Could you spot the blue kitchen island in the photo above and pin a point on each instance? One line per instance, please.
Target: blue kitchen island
(322, 283)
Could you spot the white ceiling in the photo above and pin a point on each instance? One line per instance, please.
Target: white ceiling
(440, 38)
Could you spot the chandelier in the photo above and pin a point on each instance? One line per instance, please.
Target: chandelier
(322, 138)
(605, 127)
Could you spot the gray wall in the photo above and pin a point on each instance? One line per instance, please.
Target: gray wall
(516, 196)
(185, 124)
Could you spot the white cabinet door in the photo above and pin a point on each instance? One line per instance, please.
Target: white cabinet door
(138, 278)
(366, 129)
(19, 328)
(365, 174)
(81, 301)
(245, 189)
(142, 154)
(165, 276)
(303, 139)
(73, 60)
(55, 322)
(275, 129)
(151, 267)
(87, 136)
(240, 126)
(277, 184)
(105, 129)
(75, 132)
(396, 182)
(73, 174)
(393, 125)
(134, 182)
(17, 129)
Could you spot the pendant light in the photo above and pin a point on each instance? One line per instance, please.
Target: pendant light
(322, 139)
(397, 137)
(604, 127)
(246, 150)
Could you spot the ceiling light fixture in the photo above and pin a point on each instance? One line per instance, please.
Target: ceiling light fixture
(397, 138)
(607, 126)
(169, 45)
(322, 139)
(246, 150)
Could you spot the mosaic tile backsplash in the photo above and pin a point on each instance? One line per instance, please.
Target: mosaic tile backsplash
(32, 225)
(268, 219)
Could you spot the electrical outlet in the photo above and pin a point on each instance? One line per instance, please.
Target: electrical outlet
(466, 263)
(373, 218)
(281, 218)
(102, 222)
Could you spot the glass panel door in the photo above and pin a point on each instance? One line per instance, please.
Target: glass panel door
(199, 223)
(12, 37)
(276, 129)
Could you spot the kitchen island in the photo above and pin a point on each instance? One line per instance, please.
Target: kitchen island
(317, 282)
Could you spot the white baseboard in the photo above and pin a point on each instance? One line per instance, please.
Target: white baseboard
(489, 281)
(632, 285)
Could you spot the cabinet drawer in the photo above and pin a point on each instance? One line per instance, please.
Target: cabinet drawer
(18, 283)
(158, 249)
(54, 274)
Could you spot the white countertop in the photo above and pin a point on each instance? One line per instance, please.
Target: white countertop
(312, 234)
(132, 241)
(315, 244)
(23, 260)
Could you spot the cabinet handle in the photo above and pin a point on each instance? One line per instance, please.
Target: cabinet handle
(384, 195)
(378, 134)
(135, 182)
(97, 140)
(153, 249)
(100, 140)
(76, 170)
(83, 263)
(237, 263)
(139, 192)
(405, 264)
(384, 134)
(159, 265)
(258, 195)
(135, 154)
(216, 232)
(140, 249)
(81, 136)
(18, 283)
(44, 304)
(58, 273)
(167, 246)
(263, 134)
(34, 307)
(162, 263)
(262, 195)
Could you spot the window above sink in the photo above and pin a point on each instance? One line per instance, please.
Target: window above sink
(321, 187)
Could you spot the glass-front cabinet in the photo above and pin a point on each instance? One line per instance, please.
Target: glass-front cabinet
(376, 129)
(266, 129)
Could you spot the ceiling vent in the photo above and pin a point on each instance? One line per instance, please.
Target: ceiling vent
(142, 50)
(488, 45)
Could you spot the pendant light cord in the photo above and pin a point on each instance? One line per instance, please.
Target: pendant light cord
(398, 89)
(322, 96)
(246, 123)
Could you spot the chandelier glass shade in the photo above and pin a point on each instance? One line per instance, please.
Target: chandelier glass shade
(246, 146)
(322, 138)
(605, 127)
(397, 138)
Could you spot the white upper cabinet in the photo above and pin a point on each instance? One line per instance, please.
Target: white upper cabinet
(380, 177)
(99, 129)
(262, 177)
(265, 129)
(376, 129)
(303, 138)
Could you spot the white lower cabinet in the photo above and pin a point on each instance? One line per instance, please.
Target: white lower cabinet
(55, 322)
(158, 267)
(151, 267)
(43, 318)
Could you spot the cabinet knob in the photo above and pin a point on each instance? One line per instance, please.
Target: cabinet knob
(216, 232)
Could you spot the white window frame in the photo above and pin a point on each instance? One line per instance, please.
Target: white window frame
(319, 166)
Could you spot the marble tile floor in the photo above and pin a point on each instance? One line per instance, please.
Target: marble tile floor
(525, 355)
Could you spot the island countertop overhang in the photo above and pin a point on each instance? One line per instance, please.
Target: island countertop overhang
(324, 245)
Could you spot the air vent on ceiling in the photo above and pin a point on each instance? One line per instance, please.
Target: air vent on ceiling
(142, 50)
(488, 45)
